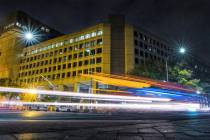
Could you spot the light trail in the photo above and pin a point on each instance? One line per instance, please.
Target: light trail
(154, 106)
(75, 94)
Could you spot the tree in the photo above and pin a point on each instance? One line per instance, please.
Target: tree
(178, 73)
(184, 76)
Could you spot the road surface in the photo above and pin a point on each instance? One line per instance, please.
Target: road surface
(117, 126)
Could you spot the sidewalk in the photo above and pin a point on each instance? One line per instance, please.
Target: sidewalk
(194, 129)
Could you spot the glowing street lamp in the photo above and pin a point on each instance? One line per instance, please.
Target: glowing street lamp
(182, 50)
(28, 36)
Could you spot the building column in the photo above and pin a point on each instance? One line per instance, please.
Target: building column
(94, 86)
(76, 87)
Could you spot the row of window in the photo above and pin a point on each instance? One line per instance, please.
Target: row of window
(151, 57)
(63, 75)
(145, 46)
(66, 42)
(96, 60)
(69, 57)
(145, 53)
(148, 39)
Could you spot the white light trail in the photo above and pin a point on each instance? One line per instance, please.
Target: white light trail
(85, 95)
(154, 106)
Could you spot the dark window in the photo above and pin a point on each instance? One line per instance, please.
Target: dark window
(92, 61)
(79, 72)
(80, 54)
(58, 76)
(74, 64)
(69, 49)
(50, 61)
(64, 66)
(92, 52)
(46, 62)
(69, 57)
(136, 61)
(68, 74)
(146, 55)
(55, 52)
(85, 71)
(86, 62)
(135, 33)
(99, 50)
(98, 60)
(140, 44)
(54, 68)
(59, 59)
(63, 75)
(145, 46)
(80, 63)
(59, 67)
(55, 60)
(64, 59)
(69, 65)
(53, 76)
(74, 73)
(42, 63)
(75, 56)
(98, 69)
(136, 42)
(49, 69)
(141, 53)
(136, 51)
(51, 53)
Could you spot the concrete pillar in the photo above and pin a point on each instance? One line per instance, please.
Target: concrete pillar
(95, 86)
(76, 87)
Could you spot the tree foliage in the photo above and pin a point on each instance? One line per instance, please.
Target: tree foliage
(177, 73)
(184, 76)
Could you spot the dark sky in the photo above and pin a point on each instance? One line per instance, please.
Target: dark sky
(180, 21)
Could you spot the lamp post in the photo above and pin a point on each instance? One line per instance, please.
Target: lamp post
(182, 50)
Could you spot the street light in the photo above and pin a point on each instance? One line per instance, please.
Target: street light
(28, 36)
(182, 50)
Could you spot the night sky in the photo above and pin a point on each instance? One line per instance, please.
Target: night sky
(184, 22)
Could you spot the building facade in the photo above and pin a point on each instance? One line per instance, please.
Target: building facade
(12, 43)
(113, 47)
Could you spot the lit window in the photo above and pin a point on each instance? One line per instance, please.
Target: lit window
(99, 32)
(82, 37)
(71, 40)
(87, 36)
(93, 34)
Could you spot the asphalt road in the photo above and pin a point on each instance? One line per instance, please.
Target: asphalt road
(116, 126)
